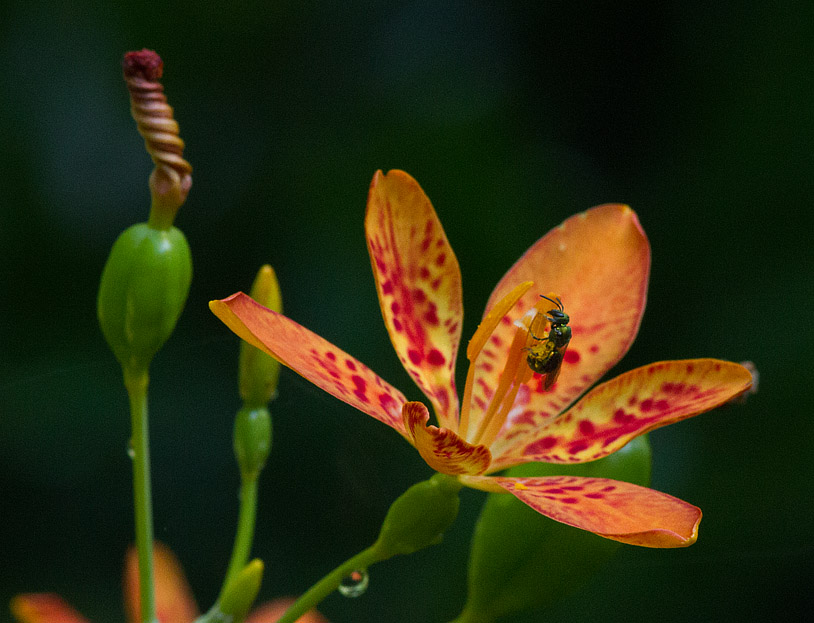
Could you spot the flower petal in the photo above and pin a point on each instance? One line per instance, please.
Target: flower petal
(44, 608)
(441, 448)
(271, 612)
(174, 602)
(598, 262)
(615, 412)
(610, 508)
(313, 357)
(419, 285)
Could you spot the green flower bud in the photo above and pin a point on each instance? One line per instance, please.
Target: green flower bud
(419, 517)
(240, 593)
(258, 371)
(252, 440)
(521, 560)
(142, 292)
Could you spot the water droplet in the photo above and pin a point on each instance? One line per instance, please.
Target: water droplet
(355, 583)
(131, 452)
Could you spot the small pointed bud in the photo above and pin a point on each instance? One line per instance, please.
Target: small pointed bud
(419, 517)
(240, 593)
(252, 440)
(143, 291)
(258, 371)
(522, 561)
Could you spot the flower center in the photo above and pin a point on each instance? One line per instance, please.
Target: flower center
(514, 374)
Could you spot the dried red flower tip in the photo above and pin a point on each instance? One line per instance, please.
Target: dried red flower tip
(172, 178)
(144, 63)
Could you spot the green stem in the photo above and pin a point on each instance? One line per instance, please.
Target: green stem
(136, 382)
(245, 529)
(330, 583)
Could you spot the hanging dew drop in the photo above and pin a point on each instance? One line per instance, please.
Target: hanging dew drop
(355, 583)
(131, 451)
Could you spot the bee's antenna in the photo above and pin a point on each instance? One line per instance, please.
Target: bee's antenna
(558, 302)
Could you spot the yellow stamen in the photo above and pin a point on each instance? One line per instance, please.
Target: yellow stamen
(516, 373)
(478, 341)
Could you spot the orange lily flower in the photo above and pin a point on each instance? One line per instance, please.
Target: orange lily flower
(598, 262)
(173, 597)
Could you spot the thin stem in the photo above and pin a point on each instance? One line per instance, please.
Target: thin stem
(330, 583)
(136, 382)
(245, 529)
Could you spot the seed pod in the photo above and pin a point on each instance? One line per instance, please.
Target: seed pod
(143, 290)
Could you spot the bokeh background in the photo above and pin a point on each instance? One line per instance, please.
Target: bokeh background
(512, 116)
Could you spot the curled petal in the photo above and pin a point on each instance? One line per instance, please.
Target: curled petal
(630, 405)
(44, 608)
(174, 602)
(441, 448)
(616, 510)
(598, 262)
(419, 285)
(312, 357)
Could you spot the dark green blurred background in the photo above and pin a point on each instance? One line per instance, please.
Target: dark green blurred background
(513, 116)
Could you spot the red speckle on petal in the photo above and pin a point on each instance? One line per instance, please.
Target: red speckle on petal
(595, 496)
(571, 356)
(569, 500)
(397, 325)
(424, 272)
(330, 355)
(395, 308)
(620, 416)
(690, 368)
(662, 405)
(546, 443)
(586, 427)
(647, 404)
(439, 261)
(594, 349)
(387, 287)
(632, 401)
(577, 447)
(435, 283)
(431, 315)
(361, 388)
(415, 356)
(350, 365)
(436, 358)
(419, 296)
(386, 400)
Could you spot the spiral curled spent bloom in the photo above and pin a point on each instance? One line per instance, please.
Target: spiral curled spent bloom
(174, 600)
(598, 262)
(171, 179)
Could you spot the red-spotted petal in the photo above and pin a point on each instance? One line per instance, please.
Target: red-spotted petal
(174, 602)
(610, 508)
(441, 448)
(419, 286)
(615, 412)
(270, 612)
(598, 262)
(313, 357)
(44, 608)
